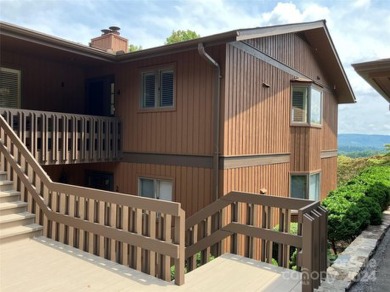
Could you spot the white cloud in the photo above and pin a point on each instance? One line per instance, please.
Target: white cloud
(290, 13)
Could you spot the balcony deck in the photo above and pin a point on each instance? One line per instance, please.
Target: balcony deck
(42, 264)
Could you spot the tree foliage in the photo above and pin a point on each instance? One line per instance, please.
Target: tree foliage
(180, 36)
(134, 48)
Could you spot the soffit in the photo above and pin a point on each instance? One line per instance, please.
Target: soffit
(377, 74)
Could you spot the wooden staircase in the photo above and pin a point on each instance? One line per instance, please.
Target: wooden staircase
(15, 222)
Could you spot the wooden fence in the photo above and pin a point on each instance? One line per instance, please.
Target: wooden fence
(130, 230)
(61, 138)
(220, 228)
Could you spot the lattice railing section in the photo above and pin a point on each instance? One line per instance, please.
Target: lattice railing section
(144, 234)
(244, 223)
(61, 138)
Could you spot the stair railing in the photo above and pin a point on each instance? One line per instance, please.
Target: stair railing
(115, 226)
(244, 223)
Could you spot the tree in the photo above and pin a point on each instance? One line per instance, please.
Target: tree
(134, 48)
(180, 36)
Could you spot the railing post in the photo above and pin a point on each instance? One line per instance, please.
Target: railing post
(307, 248)
(180, 240)
(323, 241)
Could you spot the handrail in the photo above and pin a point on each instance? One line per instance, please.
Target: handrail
(62, 138)
(24, 170)
(244, 223)
(253, 198)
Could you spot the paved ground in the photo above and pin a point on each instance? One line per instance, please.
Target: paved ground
(42, 264)
(376, 276)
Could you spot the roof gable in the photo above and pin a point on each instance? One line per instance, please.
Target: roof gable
(316, 33)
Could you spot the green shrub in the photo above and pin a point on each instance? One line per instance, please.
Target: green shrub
(358, 203)
(293, 250)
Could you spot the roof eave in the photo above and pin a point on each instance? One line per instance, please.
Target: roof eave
(17, 32)
(369, 70)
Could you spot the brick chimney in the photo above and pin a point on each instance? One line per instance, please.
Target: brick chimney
(110, 41)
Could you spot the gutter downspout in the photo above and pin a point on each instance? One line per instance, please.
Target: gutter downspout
(216, 114)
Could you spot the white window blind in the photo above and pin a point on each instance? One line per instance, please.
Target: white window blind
(9, 88)
(299, 105)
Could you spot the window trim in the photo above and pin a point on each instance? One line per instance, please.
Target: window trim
(19, 81)
(157, 70)
(307, 175)
(309, 86)
(155, 179)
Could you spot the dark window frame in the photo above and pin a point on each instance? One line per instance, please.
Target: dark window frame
(158, 88)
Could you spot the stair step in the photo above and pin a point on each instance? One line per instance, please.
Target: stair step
(12, 207)
(6, 185)
(12, 220)
(9, 196)
(20, 232)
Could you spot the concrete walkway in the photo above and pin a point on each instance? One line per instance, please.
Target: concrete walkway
(42, 264)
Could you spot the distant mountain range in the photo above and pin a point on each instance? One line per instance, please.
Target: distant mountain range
(361, 142)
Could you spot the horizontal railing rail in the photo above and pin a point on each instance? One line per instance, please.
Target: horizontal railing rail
(130, 230)
(62, 138)
(245, 223)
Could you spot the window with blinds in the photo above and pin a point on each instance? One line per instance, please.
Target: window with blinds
(306, 105)
(158, 89)
(299, 105)
(9, 88)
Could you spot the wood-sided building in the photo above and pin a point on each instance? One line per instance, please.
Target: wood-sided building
(246, 110)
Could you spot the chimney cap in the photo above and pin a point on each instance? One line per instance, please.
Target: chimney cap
(114, 28)
(105, 31)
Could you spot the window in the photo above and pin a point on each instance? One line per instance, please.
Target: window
(305, 186)
(158, 89)
(155, 188)
(306, 105)
(9, 88)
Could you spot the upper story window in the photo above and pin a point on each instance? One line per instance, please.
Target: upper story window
(306, 105)
(305, 186)
(158, 88)
(155, 188)
(9, 88)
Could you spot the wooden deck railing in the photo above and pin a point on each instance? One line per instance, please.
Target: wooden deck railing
(61, 138)
(116, 226)
(243, 223)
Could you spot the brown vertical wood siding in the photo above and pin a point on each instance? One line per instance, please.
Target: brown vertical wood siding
(328, 176)
(185, 129)
(48, 85)
(256, 118)
(329, 123)
(192, 186)
(292, 50)
(274, 178)
(305, 149)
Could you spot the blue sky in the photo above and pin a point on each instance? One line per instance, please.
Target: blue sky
(359, 29)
